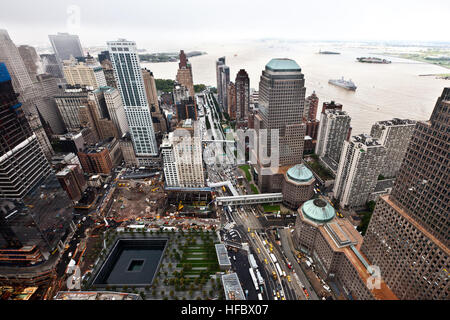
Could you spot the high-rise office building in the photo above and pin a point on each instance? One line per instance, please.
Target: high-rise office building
(242, 97)
(69, 103)
(65, 46)
(358, 171)
(35, 212)
(29, 94)
(408, 235)
(225, 81)
(395, 135)
(84, 74)
(311, 105)
(219, 62)
(184, 74)
(49, 86)
(183, 156)
(22, 161)
(334, 129)
(51, 65)
(130, 83)
(334, 245)
(281, 102)
(31, 60)
(232, 103)
(98, 108)
(158, 118)
(150, 88)
(116, 110)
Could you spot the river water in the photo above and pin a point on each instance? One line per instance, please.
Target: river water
(384, 91)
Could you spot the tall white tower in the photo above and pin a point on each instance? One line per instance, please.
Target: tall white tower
(128, 74)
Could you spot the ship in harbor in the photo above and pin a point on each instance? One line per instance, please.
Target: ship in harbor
(328, 52)
(373, 60)
(349, 85)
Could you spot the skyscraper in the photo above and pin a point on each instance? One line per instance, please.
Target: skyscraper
(183, 157)
(128, 73)
(311, 104)
(395, 135)
(68, 103)
(334, 129)
(219, 62)
(66, 45)
(281, 102)
(358, 171)
(232, 103)
(99, 111)
(22, 162)
(408, 235)
(158, 118)
(184, 74)
(31, 60)
(29, 93)
(225, 81)
(150, 88)
(116, 110)
(49, 87)
(242, 97)
(51, 65)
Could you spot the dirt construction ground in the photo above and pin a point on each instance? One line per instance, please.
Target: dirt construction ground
(137, 201)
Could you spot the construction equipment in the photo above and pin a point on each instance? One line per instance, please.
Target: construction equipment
(180, 206)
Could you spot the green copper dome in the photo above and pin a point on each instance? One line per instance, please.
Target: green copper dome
(283, 65)
(318, 210)
(300, 173)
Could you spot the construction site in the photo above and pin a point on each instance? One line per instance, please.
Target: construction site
(135, 199)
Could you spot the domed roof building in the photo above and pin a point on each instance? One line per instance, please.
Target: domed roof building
(311, 215)
(318, 211)
(298, 186)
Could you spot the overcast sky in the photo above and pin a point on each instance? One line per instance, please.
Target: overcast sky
(162, 22)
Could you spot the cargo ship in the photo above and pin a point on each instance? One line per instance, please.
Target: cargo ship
(373, 60)
(328, 52)
(349, 85)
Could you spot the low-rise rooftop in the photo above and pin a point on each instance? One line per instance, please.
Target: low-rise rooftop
(232, 287)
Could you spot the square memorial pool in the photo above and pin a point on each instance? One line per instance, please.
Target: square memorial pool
(131, 262)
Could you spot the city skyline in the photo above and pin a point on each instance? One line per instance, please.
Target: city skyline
(266, 170)
(51, 17)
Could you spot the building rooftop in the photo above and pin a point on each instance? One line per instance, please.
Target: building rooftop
(396, 122)
(232, 287)
(222, 255)
(382, 185)
(366, 139)
(299, 173)
(318, 210)
(283, 64)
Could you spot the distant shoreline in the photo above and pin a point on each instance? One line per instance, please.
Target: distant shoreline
(167, 57)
